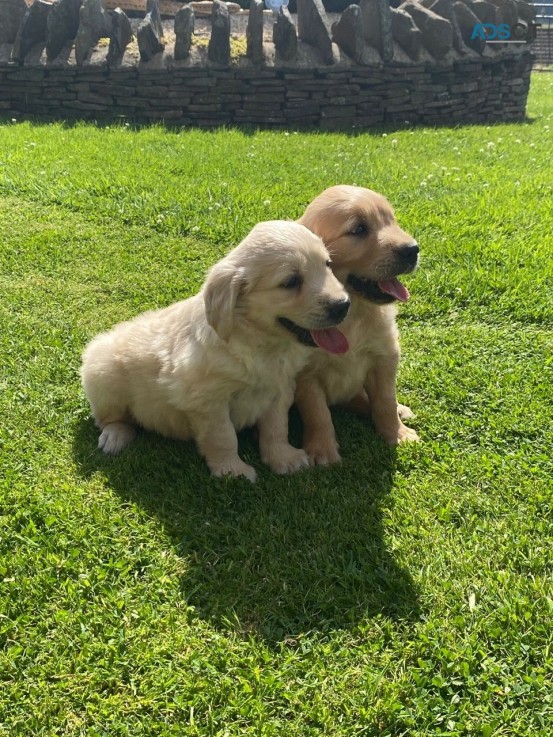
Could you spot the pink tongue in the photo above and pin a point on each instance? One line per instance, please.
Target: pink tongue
(331, 340)
(395, 288)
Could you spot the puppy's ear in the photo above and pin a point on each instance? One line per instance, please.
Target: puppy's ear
(223, 285)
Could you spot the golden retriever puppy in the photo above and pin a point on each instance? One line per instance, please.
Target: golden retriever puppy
(369, 251)
(226, 358)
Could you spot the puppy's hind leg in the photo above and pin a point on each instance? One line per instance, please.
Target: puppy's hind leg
(105, 387)
(361, 405)
(405, 412)
(115, 436)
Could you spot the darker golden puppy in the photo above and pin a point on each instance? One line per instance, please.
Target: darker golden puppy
(369, 251)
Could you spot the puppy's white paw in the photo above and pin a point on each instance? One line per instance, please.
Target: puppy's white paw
(288, 460)
(233, 467)
(405, 412)
(116, 436)
(323, 452)
(407, 435)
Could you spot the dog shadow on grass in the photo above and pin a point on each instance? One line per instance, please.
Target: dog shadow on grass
(279, 558)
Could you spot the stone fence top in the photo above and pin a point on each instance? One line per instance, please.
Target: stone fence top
(371, 33)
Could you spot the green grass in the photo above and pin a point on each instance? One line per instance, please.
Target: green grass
(401, 593)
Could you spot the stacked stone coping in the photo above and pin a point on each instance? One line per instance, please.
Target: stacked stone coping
(305, 93)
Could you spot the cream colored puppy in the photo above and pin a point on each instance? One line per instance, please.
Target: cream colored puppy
(369, 251)
(226, 358)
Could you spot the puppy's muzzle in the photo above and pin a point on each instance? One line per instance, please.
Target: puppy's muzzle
(336, 310)
(409, 255)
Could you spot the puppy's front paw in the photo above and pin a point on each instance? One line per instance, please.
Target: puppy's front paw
(407, 435)
(287, 460)
(405, 412)
(233, 467)
(323, 451)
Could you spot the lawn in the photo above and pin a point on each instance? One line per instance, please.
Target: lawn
(403, 592)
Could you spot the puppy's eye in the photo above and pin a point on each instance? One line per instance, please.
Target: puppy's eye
(359, 229)
(328, 263)
(293, 282)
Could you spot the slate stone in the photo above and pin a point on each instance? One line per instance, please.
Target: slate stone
(12, 13)
(120, 36)
(152, 7)
(484, 11)
(219, 43)
(526, 12)
(94, 23)
(406, 33)
(285, 36)
(184, 28)
(149, 38)
(348, 32)
(377, 23)
(445, 9)
(314, 28)
(437, 33)
(32, 30)
(254, 32)
(507, 11)
(62, 26)
(467, 20)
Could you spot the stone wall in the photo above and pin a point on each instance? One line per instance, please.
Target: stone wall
(481, 90)
(319, 85)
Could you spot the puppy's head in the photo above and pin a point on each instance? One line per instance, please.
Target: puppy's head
(278, 280)
(367, 247)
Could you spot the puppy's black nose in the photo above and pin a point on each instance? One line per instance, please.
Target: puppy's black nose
(338, 309)
(409, 252)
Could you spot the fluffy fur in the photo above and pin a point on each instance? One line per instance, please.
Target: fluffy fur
(221, 360)
(367, 248)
